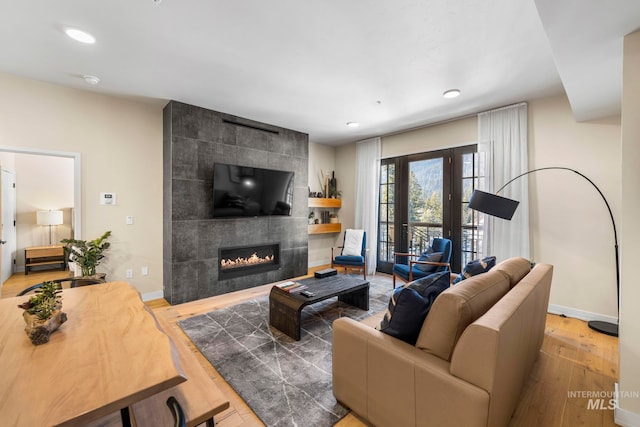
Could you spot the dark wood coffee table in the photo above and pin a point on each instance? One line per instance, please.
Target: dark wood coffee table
(285, 308)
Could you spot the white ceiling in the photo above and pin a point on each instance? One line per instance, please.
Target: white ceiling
(314, 65)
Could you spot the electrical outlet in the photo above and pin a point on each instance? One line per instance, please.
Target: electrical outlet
(129, 219)
(145, 271)
(129, 273)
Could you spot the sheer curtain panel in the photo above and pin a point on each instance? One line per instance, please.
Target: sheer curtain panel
(366, 209)
(502, 139)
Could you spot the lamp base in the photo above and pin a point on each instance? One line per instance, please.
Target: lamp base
(604, 327)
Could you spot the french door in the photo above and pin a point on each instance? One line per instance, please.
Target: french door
(426, 195)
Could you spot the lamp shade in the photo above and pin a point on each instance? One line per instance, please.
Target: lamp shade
(49, 217)
(493, 204)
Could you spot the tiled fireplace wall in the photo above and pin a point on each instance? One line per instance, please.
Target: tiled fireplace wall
(193, 139)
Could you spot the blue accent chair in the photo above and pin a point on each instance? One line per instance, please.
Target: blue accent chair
(352, 261)
(419, 265)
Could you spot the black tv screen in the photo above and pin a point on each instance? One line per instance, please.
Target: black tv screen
(240, 191)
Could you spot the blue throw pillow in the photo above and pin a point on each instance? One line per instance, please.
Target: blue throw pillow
(477, 266)
(409, 306)
(432, 257)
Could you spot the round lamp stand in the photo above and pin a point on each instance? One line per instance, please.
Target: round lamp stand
(604, 327)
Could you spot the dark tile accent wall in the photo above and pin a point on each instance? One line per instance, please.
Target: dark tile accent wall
(193, 139)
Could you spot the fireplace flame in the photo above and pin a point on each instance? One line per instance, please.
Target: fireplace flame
(243, 262)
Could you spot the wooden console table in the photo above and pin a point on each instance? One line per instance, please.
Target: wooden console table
(37, 256)
(109, 355)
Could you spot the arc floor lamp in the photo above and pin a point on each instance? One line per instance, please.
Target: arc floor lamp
(504, 208)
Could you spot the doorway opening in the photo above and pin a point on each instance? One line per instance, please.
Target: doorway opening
(40, 175)
(426, 195)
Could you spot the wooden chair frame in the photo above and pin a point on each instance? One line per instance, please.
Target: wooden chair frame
(353, 267)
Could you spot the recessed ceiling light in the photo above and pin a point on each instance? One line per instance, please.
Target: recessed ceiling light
(79, 35)
(451, 93)
(353, 124)
(92, 80)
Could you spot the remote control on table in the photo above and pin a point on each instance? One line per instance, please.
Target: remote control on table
(307, 294)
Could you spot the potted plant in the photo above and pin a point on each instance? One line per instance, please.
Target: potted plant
(43, 313)
(87, 254)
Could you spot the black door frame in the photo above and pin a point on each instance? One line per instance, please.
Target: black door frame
(451, 201)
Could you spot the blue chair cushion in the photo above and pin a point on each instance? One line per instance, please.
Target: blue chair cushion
(477, 266)
(410, 304)
(348, 260)
(402, 270)
(432, 257)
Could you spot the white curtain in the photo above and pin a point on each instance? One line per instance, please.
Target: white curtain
(502, 144)
(367, 181)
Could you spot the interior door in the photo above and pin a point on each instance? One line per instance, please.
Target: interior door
(8, 227)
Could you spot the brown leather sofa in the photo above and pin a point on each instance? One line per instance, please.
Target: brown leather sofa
(474, 354)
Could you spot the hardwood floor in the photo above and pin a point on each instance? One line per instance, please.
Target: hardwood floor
(573, 358)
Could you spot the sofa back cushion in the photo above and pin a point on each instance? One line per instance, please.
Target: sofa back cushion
(514, 268)
(456, 308)
(497, 351)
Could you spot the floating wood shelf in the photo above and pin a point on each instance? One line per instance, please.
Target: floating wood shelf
(325, 228)
(326, 203)
(318, 202)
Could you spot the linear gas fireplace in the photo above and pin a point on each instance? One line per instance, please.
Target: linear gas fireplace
(245, 260)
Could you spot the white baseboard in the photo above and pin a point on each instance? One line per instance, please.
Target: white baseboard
(580, 314)
(625, 418)
(152, 295)
(622, 417)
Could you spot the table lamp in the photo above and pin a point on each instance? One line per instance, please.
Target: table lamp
(49, 218)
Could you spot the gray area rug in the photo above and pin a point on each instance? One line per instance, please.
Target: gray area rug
(285, 382)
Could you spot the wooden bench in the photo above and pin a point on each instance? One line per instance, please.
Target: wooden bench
(199, 397)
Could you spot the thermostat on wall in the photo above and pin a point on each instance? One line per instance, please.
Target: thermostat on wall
(108, 199)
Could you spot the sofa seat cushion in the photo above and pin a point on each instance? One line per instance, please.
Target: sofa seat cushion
(456, 308)
(409, 305)
(514, 268)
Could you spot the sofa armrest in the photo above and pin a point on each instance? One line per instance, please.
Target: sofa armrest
(390, 382)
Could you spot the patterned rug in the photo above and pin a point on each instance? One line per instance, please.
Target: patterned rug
(285, 382)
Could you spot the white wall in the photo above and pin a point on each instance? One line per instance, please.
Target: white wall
(570, 225)
(120, 142)
(455, 133)
(629, 340)
(322, 159)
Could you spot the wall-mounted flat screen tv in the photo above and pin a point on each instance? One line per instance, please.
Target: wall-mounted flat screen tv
(240, 191)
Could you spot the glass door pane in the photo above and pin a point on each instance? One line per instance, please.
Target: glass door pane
(386, 227)
(425, 196)
(471, 239)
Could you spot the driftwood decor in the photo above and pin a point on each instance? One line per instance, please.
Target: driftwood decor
(39, 330)
(43, 313)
